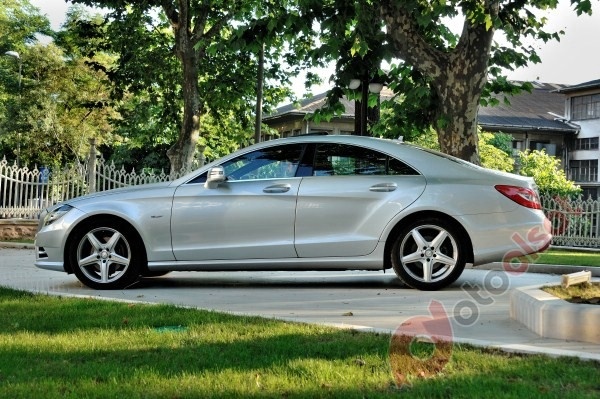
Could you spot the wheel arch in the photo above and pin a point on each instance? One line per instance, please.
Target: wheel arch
(389, 243)
(99, 218)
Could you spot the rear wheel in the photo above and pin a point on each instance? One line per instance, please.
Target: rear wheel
(106, 255)
(428, 254)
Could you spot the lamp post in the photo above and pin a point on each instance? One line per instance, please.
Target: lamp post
(18, 57)
(362, 119)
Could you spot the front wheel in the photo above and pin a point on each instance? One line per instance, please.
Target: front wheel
(428, 254)
(106, 255)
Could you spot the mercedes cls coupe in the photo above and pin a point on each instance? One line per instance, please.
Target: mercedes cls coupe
(312, 202)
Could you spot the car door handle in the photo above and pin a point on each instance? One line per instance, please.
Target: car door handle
(277, 188)
(384, 187)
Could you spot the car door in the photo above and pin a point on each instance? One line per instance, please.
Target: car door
(249, 216)
(350, 198)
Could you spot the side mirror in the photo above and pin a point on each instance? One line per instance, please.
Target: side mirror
(214, 177)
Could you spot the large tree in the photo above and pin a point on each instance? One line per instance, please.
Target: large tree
(457, 71)
(20, 23)
(187, 58)
(439, 77)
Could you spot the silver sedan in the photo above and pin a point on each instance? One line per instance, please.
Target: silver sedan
(313, 202)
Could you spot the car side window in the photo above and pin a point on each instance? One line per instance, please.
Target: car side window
(345, 160)
(397, 167)
(267, 163)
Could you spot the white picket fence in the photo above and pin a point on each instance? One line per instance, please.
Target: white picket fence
(24, 193)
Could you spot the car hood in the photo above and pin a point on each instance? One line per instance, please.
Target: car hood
(121, 192)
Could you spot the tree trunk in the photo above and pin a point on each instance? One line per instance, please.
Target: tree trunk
(181, 154)
(458, 75)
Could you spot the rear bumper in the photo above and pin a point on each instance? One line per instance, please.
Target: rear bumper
(502, 242)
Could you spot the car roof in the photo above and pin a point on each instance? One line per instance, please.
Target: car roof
(427, 162)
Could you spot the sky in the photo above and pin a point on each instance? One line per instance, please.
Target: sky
(575, 59)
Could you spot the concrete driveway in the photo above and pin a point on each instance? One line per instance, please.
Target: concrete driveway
(475, 309)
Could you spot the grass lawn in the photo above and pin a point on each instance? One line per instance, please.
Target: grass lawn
(555, 256)
(52, 347)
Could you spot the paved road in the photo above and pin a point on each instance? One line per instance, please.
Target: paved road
(476, 306)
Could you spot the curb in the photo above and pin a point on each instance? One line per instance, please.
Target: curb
(552, 317)
(542, 268)
(17, 245)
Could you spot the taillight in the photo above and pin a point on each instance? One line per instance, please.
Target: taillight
(521, 195)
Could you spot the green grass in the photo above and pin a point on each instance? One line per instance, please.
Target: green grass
(52, 347)
(566, 257)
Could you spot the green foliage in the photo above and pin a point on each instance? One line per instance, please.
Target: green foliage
(491, 156)
(120, 78)
(427, 139)
(223, 134)
(547, 173)
(60, 103)
(162, 82)
(352, 34)
(502, 141)
(413, 109)
(495, 151)
(20, 22)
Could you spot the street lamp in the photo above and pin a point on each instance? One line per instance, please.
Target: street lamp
(361, 107)
(18, 57)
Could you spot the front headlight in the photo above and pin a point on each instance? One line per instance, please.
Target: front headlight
(56, 214)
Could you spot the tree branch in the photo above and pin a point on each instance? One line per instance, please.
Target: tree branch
(410, 45)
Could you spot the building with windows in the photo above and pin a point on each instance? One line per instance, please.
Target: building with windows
(534, 119)
(582, 107)
(291, 119)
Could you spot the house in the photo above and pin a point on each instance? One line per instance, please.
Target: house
(582, 107)
(534, 119)
(564, 120)
(290, 120)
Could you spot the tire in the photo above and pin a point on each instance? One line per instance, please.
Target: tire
(106, 255)
(428, 254)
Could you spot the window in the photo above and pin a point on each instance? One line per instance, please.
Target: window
(587, 144)
(269, 163)
(584, 170)
(585, 107)
(589, 192)
(344, 160)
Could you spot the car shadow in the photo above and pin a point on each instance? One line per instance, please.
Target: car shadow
(280, 280)
(295, 280)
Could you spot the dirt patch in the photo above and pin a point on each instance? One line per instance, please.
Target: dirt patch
(581, 293)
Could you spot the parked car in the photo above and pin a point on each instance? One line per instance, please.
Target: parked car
(312, 202)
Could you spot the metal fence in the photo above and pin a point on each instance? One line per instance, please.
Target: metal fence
(574, 222)
(24, 193)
